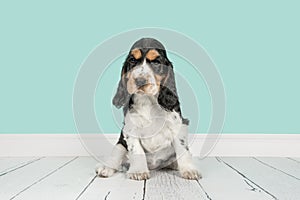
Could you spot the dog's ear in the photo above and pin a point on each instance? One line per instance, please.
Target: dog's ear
(122, 95)
(168, 97)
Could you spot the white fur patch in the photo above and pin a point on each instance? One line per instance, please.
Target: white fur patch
(154, 127)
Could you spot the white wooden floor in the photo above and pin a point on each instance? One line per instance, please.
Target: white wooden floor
(65, 178)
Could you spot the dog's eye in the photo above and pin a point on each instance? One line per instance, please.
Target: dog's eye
(132, 60)
(155, 62)
(156, 66)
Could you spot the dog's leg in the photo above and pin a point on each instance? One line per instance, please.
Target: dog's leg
(184, 158)
(113, 163)
(138, 169)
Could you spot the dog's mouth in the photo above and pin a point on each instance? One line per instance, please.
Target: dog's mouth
(140, 91)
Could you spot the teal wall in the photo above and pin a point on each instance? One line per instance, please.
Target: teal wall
(255, 46)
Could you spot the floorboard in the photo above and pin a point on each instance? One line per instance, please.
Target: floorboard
(66, 183)
(115, 187)
(274, 182)
(284, 165)
(18, 181)
(72, 178)
(8, 164)
(295, 159)
(174, 187)
(221, 182)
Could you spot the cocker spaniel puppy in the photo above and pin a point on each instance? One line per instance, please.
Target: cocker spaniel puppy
(154, 134)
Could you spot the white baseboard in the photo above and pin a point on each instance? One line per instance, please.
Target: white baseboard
(280, 145)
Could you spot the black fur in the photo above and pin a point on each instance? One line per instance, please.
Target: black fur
(122, 96)
(122, 141)
(167, 97)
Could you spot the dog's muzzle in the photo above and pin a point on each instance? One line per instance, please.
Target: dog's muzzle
(140, 82)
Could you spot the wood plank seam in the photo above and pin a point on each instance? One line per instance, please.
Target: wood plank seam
(144, 190)
(202, 188)
(272, 167)
(105, 198)
(251, 186)
(85, 188)
(19, 166)
(294, 160)
(39, 180)
(245, 177)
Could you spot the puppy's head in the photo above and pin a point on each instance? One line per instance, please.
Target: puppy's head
(146, 70)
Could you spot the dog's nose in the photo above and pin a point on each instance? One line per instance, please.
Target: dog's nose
(140, 82)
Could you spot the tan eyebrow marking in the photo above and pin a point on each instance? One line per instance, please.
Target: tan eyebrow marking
(137, 54)
(152, 54)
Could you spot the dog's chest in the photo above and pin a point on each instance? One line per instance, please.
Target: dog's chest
(154, 126)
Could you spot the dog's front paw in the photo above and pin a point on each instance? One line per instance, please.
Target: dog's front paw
(190, 173)
(104, 171)
(139, 176)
